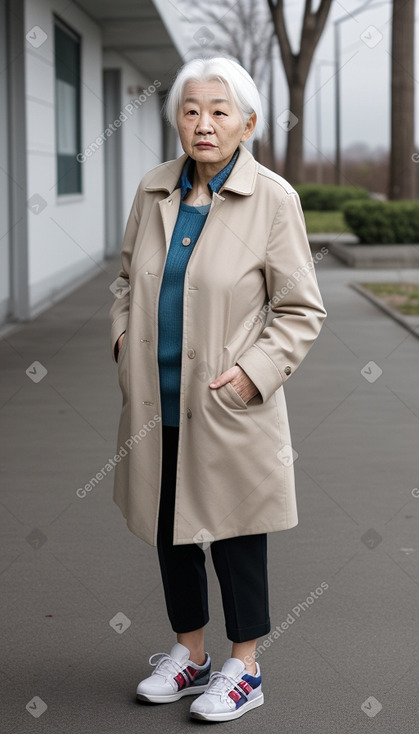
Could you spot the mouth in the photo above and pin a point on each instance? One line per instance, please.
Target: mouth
(204, 145)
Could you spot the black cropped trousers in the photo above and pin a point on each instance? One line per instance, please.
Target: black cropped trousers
(240, 564)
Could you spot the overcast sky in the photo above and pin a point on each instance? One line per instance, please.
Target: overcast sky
(365, 78)
(365, 73)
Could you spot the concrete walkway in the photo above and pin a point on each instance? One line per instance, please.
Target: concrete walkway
(81, 596)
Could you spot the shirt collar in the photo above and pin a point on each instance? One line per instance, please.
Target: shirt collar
(186, 177)
(242, 179)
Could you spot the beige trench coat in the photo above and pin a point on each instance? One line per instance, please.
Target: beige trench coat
(250, 298)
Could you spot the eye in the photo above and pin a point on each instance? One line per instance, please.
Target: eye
(220, 112)
(191, 112)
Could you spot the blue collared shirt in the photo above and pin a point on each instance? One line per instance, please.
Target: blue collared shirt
(186, 177)
(189, 224)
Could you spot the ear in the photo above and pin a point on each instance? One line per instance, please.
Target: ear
(250, 127)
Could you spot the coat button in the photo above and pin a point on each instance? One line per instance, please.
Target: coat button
(186, 241)
(189, 413)
(191, 353)
(287, 370)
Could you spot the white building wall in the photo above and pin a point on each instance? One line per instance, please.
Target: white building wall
(66, 237)
(141, 131)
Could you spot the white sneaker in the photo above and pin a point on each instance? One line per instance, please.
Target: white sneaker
(175, 676)
(230, 693)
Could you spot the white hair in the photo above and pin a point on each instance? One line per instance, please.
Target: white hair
(235, 78)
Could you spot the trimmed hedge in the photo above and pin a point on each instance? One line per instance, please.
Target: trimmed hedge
(383, 222)
(322, 197)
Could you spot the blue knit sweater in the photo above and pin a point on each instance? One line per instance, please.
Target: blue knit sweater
(188, 227)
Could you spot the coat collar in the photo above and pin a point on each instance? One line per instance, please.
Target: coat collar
(242, 179)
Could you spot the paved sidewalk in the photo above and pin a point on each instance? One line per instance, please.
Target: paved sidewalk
(344, 658)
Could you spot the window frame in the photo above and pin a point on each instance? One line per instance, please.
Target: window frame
(74, 189)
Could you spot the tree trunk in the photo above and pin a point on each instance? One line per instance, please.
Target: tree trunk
(256, 150)
(294, 166)
(271, 114)
(297, 68)
(402, 167)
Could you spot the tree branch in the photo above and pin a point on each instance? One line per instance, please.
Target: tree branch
(278, 18)
(322, 14)
(312, 29)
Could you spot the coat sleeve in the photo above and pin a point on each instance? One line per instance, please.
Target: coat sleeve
(295, 300)
(119, 312)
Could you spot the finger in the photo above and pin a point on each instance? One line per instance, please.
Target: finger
(223, 378)
(219, 381)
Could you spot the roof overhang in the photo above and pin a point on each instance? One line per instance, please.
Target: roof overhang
(145, 33)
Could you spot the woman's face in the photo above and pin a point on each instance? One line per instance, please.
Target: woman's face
(210, 124)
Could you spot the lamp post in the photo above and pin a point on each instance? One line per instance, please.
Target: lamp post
(338, 162)
(318, 68)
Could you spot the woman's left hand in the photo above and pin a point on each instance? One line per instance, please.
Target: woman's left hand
(242, 384)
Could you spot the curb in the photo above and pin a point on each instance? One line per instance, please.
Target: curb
(329, 239)
(376, 256)
(411, 323)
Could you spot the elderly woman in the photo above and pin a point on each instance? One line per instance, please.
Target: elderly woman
(217, 304)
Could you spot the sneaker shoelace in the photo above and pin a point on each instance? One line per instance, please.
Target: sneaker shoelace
(165, 665)
(221, 684)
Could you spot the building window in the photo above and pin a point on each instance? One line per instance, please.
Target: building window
(67, 108)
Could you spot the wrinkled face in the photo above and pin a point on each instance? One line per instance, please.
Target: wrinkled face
(210, 124)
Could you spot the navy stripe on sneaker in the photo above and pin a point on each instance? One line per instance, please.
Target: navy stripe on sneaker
(230, 693)
(245, 686)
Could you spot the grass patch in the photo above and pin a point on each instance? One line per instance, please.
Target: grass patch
(325, 222)
(404, 297)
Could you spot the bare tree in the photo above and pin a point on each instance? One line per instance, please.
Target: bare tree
(402, 173)
(297, 67)
(244, 31)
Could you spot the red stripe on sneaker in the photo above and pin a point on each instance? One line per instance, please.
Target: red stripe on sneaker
(235, 695)
(245, 687)
(181, 682)
(192, 672)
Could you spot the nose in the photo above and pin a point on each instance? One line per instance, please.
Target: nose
(204, 125)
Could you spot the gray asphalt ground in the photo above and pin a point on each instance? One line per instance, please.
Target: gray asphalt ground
(343, 661)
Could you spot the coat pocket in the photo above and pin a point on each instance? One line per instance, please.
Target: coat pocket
(122, 367)
(229, 396)
(122, 349)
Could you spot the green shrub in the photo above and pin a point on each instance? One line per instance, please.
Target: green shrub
(321, 197)
(384, 222)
